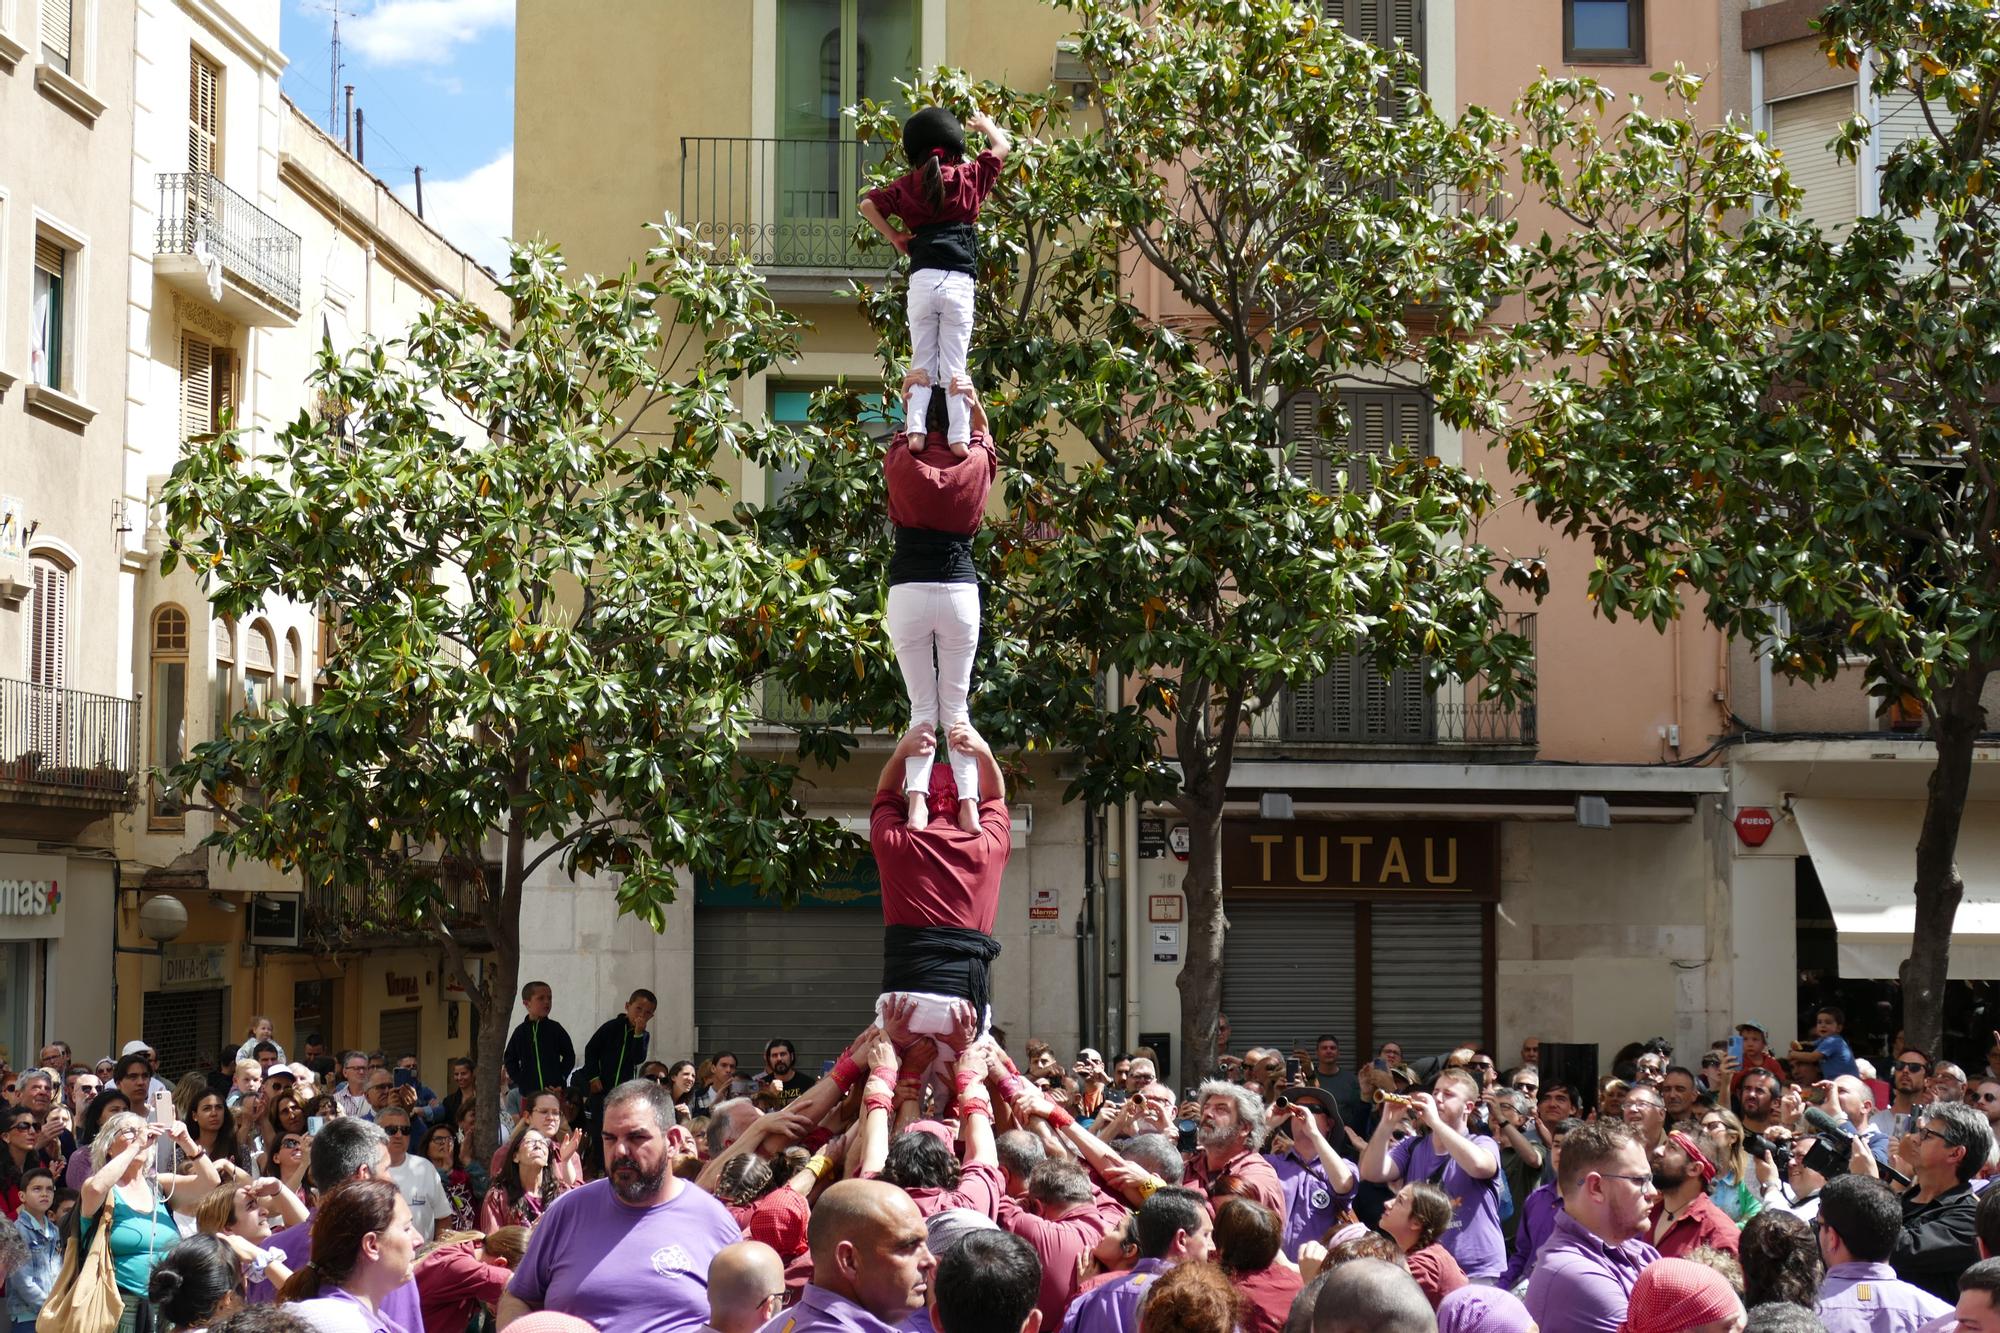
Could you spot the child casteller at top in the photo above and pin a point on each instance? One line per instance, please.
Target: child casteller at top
(937, 200)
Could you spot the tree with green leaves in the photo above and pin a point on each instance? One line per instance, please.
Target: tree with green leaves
(1788, 426)
(1304, 206)
(540, 640)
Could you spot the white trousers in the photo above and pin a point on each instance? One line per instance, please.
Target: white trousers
(940, 335)
(935, 630)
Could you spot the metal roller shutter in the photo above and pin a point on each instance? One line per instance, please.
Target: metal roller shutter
(1901, 118)
(1288, 972)
(1429, 970)
(401, 1033)
(809, 975)
(184, 1028)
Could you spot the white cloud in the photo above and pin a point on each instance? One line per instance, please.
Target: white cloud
(423, 32)
(474, 212)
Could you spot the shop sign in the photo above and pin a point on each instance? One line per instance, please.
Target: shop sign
(1368, 856)
(193, 966)
(31, 896)
(404, 988)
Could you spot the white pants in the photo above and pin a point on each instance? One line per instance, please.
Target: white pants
(940, 334)
(941, 619)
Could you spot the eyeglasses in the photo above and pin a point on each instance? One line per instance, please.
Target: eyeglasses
(1642, 1181)
(1922, 1132)
(1530, 1088)
(1481, 1064)
(1644, 1105)
(21, 1125)
(1912, 1066)
(1986, 1096)
(655, 1078)
(397, 1131)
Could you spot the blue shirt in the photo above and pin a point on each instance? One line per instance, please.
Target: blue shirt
(1114, 1307)
(823, 1311)
(1836, 1058)
(1869, 1298)
(29, 1285)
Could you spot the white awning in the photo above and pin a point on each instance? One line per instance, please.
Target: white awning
(1866, 855)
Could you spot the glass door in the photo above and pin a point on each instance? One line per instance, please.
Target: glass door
(831, 54)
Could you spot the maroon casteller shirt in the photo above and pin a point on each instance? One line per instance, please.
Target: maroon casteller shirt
(966, 185)
(937, 490)
(942, 876)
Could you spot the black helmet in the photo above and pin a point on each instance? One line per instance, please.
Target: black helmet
(933, 127)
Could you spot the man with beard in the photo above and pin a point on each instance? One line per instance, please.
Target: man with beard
(1757, 1100)
(1684, 1217)
(1231, 1131)
(1912, 1070)
(1585, 1272)
(629, 1253)
(782, 1079)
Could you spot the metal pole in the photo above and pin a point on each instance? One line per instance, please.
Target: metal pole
(347, 122)
(420, 217)
(360, 138)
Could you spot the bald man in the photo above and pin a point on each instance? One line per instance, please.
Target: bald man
(1370, 1296)
(746, 1287)
(871, 1266)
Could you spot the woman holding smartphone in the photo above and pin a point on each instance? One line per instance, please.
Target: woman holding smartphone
(125, 1194)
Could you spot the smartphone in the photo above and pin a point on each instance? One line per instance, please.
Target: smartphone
(163, 1109)
(1736, 1049)
(1296, 1070)
(825, 1068)
(406, 1078)
(315, 1123)
(1381, 1064)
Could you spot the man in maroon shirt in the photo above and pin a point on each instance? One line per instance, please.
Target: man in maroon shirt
(1064, 1218)
(1232, 1129)
(940, 894)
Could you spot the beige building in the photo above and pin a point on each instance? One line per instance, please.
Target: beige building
(68, 765)
(176, 240)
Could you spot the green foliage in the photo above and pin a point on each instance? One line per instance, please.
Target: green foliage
(1249, 160)
(537, 634)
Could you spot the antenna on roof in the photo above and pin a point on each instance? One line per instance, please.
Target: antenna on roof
(334, 66)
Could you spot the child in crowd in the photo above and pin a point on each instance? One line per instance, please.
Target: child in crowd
(29, 1285)
(937, 200)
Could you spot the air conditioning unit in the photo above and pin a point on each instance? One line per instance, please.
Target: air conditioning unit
(274, 919)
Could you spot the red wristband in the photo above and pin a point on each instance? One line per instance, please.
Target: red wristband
(969, 1105)
(1060, 1118)
(965, 1078)
(887, 1073)
(877, 1101)
(1013, 1086)
(845, 1072)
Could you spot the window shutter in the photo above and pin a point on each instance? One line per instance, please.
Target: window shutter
(225, 642)
(48, 658)
(1801, 128)
(1902, 121)
(48, 256)
(57, 23)
(1384, 23)
(1308, 462)
(197, 386)
(221, 384)
(257, 651)
(204, 82)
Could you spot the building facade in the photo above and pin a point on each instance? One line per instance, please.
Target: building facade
(68, 761)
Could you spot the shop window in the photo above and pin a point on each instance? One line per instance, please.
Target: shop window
(222, 686)
(169, 709)
(1604, 32)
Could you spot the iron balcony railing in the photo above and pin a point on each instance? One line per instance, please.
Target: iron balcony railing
(202, 217)
(784, 203)
(61, 742)
(1355, 704)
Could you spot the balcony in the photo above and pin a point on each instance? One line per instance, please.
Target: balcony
(1355, 705)
(353, 915)
(67, 748)
(217, 247)
(786, 204)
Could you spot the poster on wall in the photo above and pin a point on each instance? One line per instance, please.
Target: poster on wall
(1044, 911)
(1166, 944)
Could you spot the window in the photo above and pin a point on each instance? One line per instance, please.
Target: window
(1604, 32)
(204, 113)
(58, 28)
(1384, 23)
(221, 688)
(207, 385)
(259, 670)
(1801, 129)
(45, 334)
(48, 658)
(294, 679)
(169, 702)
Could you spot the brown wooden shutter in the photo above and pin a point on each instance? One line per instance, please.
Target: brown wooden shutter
(204, 112)
(48, 627)
(48, 256)
(58, 21)
(197, 386)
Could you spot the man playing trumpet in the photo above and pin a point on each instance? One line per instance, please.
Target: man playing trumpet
(1466, 1166)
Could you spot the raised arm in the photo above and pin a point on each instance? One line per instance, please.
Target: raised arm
(98, 1185)
(1376, 1166)
(996, 138)
(1310, 1144)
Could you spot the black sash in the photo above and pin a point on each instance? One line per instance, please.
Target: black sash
(940, 960)
(950, 246)
(924, 555)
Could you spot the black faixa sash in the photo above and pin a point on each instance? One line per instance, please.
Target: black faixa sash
(940, 960)
(925, 555)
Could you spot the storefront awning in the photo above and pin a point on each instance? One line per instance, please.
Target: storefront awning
(1866, 855)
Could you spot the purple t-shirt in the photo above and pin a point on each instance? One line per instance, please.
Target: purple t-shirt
(401, 1306)
(1310, 1201)
(1114, 1307)
(1473, 1238)
(625, 1269)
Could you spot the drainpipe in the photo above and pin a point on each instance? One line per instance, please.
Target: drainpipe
(1133, 935)
(1117, 943)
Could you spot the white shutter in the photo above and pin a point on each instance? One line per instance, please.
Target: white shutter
(48, 654)
(204, 113)
(1801, 129)
(1901, 119)
(197, 386)
(58, 21)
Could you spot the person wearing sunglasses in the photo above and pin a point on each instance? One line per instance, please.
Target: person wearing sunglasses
(1985, 1099)
(416, 1179)
(1911, 1073)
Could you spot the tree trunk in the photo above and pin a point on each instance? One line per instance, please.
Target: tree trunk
(1200, 980)
(1939, 889)
(496, 994)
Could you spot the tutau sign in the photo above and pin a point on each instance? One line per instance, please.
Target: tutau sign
(1362, 856)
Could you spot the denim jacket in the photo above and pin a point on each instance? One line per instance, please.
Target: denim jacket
(29, 1285)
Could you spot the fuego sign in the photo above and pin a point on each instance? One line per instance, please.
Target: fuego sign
(1754, 825)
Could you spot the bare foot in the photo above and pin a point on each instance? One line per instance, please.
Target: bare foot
(968, 816)
(920, 809)
(917, 441)
(961, 448)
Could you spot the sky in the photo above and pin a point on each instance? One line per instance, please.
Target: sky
(435, 81)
